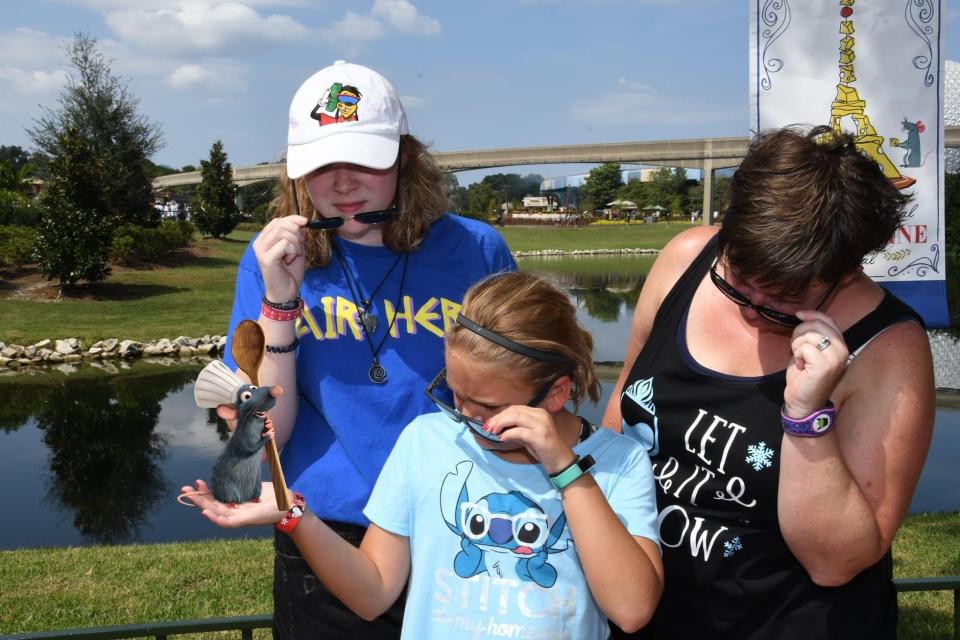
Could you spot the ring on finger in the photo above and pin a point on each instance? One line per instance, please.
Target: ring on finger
(823, 344)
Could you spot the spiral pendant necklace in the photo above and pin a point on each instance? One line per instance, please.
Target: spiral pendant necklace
(368, 322)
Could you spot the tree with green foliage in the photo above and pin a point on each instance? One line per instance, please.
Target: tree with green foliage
(456, 195)
(479, 197)
(602, 184)
(76, 228)
(215, 210)
(14, 156)
(511, 187)
(102, 114)
(664, 185)
(635, 191)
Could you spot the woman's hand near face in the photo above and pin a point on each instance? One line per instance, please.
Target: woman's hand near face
(280, 253)
(536, 430)
(814, 372)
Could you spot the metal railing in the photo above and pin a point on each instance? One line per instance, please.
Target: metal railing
(159, 630)
(943, 583)
(246, 624)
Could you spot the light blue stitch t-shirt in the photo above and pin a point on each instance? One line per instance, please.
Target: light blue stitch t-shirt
(490, 550)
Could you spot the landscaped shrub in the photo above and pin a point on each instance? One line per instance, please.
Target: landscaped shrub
(16, 208)
(16, 245)
(132, 243)
(122, 249)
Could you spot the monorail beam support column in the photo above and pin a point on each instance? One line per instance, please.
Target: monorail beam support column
(707, 192)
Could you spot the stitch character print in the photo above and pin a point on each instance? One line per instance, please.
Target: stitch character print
(338, 104)
(505, 535)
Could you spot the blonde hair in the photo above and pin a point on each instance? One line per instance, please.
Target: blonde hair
(422, 200)
(531, 311)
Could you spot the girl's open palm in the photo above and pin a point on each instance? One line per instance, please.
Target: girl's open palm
(230, 517)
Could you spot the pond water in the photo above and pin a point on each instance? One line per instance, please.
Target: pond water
(92, 458)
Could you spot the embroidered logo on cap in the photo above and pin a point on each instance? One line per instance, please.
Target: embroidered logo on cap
(338, 104)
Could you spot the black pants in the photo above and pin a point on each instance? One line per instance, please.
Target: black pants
(303, 608)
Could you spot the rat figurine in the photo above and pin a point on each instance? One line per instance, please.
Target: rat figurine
(236, 475)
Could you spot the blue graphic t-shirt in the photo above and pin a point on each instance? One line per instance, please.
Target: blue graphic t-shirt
(346, 424)
(491, 552)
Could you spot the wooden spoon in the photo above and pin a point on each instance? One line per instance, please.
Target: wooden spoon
(247, 351)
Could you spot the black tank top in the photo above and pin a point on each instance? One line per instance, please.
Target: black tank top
(714, 441)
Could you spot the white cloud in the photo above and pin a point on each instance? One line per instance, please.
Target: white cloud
(29, 82)
(203, 28)
(33, 69)
(26, 48)
(211, 77)
(352, 32)
(107, 5)
(355, 30)
(412, 102)
(403, 16)
(634, 103)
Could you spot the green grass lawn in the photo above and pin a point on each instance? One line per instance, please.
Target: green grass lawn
(191, 295)
(187, 295)
(63, 588)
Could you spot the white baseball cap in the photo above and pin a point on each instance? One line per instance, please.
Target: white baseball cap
(344, 113)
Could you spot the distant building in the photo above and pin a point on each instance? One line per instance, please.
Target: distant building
(536, 203)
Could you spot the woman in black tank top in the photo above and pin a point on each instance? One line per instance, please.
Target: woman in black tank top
(786, 401)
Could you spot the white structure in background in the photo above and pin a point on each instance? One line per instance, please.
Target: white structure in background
(536, 203)
(627, 175)
(951, 111)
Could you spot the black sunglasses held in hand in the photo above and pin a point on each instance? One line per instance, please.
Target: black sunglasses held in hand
(440, 384)
(768, 314)
(370, 217)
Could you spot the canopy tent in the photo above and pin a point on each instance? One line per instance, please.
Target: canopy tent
(623, 204)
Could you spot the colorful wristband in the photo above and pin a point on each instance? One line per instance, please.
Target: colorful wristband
(577, 468)
(817, 424)
(291, 518)
(280, 315)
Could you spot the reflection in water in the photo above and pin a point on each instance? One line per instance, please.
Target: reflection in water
(602, 286)
(103, 453)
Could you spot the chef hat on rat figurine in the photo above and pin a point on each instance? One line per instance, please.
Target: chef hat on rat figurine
(216, 385)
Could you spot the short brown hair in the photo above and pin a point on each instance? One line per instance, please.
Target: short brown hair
(529, 310)
(806, 207)
(423, 200)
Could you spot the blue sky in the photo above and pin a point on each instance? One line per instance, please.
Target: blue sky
(472, 75)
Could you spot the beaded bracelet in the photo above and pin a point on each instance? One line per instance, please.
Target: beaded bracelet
(269, 310)
(291, 518)
(287, 349)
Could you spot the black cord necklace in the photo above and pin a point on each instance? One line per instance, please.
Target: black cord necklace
(367, 319)
(368, 322)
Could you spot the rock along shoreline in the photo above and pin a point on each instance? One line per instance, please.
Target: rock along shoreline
(52, 353)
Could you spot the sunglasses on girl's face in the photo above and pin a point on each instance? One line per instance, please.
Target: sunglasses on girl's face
(768, 314)
(439, 387)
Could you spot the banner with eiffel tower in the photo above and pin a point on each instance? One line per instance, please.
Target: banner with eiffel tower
(873, 69)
